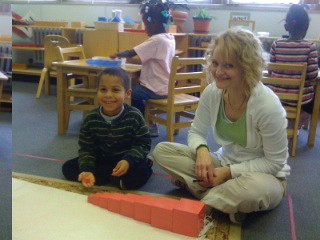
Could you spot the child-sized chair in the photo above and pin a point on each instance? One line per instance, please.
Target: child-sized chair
(293, 112)
(183, 97)
(51, 54)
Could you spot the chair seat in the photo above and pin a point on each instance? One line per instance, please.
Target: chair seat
(180, 99)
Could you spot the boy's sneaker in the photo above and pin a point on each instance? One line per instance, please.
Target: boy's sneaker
(153, 129)
(238, 217)
(150, 160)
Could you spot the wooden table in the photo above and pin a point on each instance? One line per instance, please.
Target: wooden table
(315, 113)
(79, 67)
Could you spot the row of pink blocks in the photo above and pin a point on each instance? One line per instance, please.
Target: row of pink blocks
(182, 216)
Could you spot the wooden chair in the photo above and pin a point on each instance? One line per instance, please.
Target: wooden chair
(180, 101)
(293, 112)
(51, 54)
(250, 25)
(82, 91)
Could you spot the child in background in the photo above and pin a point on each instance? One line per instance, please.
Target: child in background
(297, 50)
(155, 54)
(114, 140)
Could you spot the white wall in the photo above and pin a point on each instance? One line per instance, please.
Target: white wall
(5, 24)
(266, 21)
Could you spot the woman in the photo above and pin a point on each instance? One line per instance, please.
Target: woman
(247, 119)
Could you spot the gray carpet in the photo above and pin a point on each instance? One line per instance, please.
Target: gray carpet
(5, 175)
(35, 135)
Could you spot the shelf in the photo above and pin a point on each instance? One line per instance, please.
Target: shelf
(6, 98)
(28, 48)
(5, 56)
(29, 71)
(197, 48)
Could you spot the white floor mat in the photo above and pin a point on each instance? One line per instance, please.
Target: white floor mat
(44, 213)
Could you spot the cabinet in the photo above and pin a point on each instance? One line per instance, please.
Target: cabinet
(95, 42)
(29, 57)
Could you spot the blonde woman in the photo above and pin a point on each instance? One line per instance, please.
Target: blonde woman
(248, 173)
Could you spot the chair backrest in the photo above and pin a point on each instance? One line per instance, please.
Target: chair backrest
(250, 25)
(185, 82)
(295, 97)
(71, 53)
(51, 53)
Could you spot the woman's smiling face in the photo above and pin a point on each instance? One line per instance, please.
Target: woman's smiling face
(225, 72)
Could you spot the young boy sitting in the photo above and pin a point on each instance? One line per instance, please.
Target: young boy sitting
(114, 139)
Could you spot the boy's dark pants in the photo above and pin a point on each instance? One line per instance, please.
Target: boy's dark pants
(135, 178)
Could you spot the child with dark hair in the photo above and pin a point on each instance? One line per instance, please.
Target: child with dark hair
(155, 54)
(296, 50)
(114, 140)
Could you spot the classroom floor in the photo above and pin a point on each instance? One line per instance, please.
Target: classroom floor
(38, 150)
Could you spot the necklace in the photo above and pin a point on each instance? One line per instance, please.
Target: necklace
(234, 108)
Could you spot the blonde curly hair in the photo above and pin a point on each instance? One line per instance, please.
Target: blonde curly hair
(245, 50)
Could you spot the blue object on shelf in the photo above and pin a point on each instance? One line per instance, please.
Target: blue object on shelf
(116, 19)
(102, 19)
(104, 63)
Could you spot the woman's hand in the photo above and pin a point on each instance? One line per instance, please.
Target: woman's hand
(87, 179)
(221, 175)
(204, 167)
(121, 168)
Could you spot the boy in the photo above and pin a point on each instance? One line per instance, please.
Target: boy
(114, 140)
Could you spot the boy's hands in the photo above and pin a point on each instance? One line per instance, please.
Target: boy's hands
(87, 179)
(121, 168)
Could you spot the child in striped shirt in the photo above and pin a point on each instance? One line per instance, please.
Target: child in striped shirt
(295, 49)
(114, 139)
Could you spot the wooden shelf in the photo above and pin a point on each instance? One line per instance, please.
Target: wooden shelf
(29, 71)
(197, 48)
(6, 98)
(27, 48)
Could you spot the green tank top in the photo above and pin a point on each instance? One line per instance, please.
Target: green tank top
(235, 132)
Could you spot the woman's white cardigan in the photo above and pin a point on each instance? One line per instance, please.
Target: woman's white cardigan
(267, 144)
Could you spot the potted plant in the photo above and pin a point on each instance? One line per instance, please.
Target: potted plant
(201, 21)
(179, 14)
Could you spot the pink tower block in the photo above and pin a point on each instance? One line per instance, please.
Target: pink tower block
(94, 198)
(162, 213)
(188, 217)
(104, 199)
(127, 204)
(142, 208)
(114, 202)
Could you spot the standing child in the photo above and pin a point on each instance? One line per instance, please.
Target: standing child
(155, 54)
(114, 140)
(296, 50)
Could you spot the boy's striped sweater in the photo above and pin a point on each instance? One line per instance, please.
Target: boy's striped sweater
(125, 138)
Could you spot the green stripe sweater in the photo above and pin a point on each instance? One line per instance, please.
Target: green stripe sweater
(126, 137)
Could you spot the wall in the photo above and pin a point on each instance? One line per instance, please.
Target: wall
(5, 21)
(266, 21)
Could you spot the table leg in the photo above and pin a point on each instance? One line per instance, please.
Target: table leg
(314, 116)
(62, 86)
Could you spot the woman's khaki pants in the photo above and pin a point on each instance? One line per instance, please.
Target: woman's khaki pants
(249, 192)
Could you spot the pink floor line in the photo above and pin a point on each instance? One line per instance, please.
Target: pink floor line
(62, 161)
(292, 222)
(42, 158)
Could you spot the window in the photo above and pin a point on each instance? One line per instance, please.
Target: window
(265, 1)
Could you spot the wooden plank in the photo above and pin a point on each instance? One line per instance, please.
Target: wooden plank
(100, 43)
